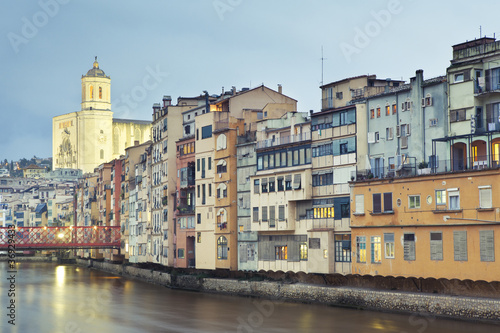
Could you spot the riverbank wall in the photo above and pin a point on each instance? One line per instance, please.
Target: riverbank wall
(425, 306)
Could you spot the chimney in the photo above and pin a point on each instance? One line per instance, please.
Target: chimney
(280, 88)
(387, 84)
(156, 107)
(136, 142)
(233, 88)
(222, 93)
(167, 100)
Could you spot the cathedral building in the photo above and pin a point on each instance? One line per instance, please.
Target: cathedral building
(87, 138)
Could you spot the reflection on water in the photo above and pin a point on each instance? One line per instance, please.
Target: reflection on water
(70, 299)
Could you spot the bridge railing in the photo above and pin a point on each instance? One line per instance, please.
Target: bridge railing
(22, 238)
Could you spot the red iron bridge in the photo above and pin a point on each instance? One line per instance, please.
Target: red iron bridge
(50, 238)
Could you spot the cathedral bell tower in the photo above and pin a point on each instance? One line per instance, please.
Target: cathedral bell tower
(96, 90)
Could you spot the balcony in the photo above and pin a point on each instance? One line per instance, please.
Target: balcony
(284, 140)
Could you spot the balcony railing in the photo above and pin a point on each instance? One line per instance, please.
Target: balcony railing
(284, 140)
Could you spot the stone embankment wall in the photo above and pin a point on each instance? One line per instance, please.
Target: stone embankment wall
(421, 304)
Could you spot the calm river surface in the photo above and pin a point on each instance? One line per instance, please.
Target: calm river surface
(71, 299)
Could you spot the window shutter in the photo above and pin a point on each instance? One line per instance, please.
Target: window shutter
(293, 249)
(460, 245)
(487, 245)
(243, 252)
(387, 202)
(409, 246)
(371, 137)
(485, 198)
(436, 246)
(377, 203)
(360, 203)
(296, 181)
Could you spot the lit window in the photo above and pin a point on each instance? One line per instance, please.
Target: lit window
(303, 251)
(91, 92)
(222, 248)
(378, 112)
(281, 252)
(387, 110)
(389, 245)
(440, 197)
(376, 249)
(372, 113)
(414, 201)
(343, 248)
(361, 248)
(100, 92)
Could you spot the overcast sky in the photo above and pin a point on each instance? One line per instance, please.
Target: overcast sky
(180, 48)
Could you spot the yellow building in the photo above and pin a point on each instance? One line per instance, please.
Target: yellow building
(87, 138)
(432, 226)
(34, 171)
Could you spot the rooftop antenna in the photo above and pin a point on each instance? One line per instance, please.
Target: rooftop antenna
(322, 60)
(480, 32)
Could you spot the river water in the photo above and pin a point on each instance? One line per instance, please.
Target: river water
(70, 299)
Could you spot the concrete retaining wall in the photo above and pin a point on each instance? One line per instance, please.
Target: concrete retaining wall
(469, 308)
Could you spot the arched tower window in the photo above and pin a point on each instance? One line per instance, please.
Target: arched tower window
(100, 92)
(91, 92)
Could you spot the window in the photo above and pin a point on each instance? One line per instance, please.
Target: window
(485, 197)
(372, 113)
(414, 201)
(378, 112)
(389, 245)
(433, 122)
(206, 132)
(288, 182)
(377, 203)
(221, 166)
(454, 199)
(91, 92)
(222, 191)
(303, 251)
(100, 92)
(272, 216)
(436, 245)
(281, 252)
(198, 219)
(255, 214)
(181, 253)
(322, 179)
(256, 186)
(389, 133)
(323, 212)
(361, 248)
(360, 204)
(221, 142)
(459, 77)
(460, 245)
(387, 110)
(281, 213)
(198, 190)
(198, 165)
(394, 108)
(296, 182)
(280, 183)
(209, 162)
(272, 184)
(487, 245)
(377, 138)
(376, 249)
(409, 246)
(457, 115)
(343, 248)
(209, 190)
(264, 185)
(222, 248)
(387, 202)
(440, 197)
(339, 95)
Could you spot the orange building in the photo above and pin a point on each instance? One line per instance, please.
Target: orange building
(430, 226)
